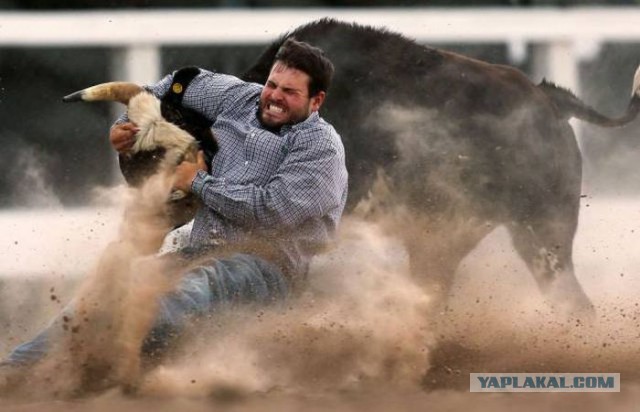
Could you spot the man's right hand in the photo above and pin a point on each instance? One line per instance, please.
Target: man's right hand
(122, 136)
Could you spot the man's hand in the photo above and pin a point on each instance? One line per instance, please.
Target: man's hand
(122, 136)
(186, 171)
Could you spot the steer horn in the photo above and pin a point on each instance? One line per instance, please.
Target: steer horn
(113, 91)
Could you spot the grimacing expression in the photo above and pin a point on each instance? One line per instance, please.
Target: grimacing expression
(285, 97)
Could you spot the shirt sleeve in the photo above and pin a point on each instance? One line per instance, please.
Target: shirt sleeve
(310, 182)
(208, 93)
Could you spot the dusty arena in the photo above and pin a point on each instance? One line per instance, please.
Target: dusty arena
(362, 336)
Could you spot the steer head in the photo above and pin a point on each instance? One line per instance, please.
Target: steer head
(168, 135)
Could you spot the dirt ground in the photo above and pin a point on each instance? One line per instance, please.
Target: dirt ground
(361, 339)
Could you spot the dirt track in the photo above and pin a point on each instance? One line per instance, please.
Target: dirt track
(386, 400)
(368, 347)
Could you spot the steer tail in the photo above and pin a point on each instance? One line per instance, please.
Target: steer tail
(113, 92)
(568, 105)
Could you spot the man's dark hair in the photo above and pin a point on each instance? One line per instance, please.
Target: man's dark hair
(311, 60)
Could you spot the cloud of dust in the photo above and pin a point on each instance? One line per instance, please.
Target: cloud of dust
(363, 328)
(96, 341)
(501, 323)
(31, 187)
(365, 323)
(361, 322)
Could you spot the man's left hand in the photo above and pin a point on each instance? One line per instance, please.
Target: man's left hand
(186, 171)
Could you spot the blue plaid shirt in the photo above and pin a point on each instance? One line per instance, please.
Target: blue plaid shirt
(289, 187)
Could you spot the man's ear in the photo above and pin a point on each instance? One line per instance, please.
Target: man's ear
(317, 100)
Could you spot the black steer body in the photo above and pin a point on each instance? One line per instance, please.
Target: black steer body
(453, 147)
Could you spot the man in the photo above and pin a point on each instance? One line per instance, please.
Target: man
(279, 180)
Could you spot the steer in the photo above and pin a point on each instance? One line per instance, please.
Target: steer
(453, 147)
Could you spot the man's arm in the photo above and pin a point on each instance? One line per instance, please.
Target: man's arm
(310, 183)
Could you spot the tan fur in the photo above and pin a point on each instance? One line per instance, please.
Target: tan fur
(155, 131)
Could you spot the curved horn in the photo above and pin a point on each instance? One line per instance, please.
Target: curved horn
(112, 92)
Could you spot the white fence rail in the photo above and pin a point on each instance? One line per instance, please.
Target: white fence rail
(564, 36)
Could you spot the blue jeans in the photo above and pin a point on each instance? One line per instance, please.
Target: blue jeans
(240, 278)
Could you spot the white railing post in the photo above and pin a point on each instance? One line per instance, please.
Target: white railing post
(557, 61)
(137, 63)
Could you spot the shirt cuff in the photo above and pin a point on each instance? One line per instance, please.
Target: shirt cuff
(203, 179)
(197, 184)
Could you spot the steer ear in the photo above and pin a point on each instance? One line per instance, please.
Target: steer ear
(112, 92)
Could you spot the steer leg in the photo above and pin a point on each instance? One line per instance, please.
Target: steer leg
(435, 250)
(546, 247)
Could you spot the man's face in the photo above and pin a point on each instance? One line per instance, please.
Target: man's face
(285, 98)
